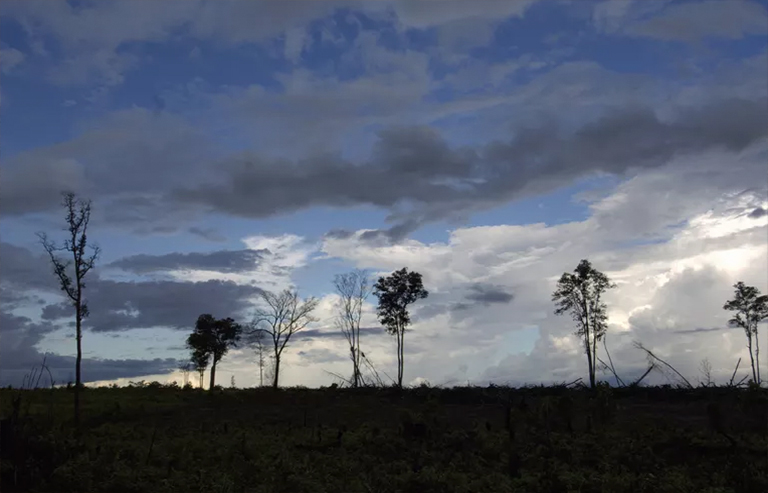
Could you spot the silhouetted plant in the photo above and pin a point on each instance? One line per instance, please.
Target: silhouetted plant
(282, 316)
(71, 273)
(580, 294)
(395, 293)
(751, 308)
(353, 289)
(213, 338)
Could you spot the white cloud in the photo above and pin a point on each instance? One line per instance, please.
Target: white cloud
(666, 288)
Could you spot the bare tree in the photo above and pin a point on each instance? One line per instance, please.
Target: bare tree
(353, 289)
(580, 294)
(653, 359)
(282, 316)
(185, 368)
(705, 367)
(257, 339)
(71, 273)
(751, 308)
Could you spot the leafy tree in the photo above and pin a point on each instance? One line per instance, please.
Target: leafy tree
(580, 294)
(395, 293)
(282, 316)
(353, 289)
(71, 273)
(213, 338)
(751, 308)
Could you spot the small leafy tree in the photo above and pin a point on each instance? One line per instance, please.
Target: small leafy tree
(751, 308)
(213, 338)
(580, 294)
(282, 316)
(353, 289)
(71, 273)
(395, 293)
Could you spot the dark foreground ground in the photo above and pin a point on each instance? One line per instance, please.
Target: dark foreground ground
(379, 440)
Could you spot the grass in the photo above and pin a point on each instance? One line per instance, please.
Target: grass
(158, 439)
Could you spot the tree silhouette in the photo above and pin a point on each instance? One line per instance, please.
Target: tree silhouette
(200, 363)
(580, 294)
(71, 273)
(281, 317)
(353, 288)
(212, 338)
(751, 308)
(395, 293)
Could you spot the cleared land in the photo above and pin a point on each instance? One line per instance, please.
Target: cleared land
(382, 440)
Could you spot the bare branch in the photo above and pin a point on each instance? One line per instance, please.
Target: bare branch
(730, 383)
(651, 355)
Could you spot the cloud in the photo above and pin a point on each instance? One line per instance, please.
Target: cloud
(487, 295)
(693, 21)
(757, 213)
(118, 306)
(209, 234)
(19, 356)
(668, 289)
(219, 261)
(417, 167)
(131, 151)
(10, 58)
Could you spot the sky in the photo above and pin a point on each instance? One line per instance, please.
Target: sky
(233, 147)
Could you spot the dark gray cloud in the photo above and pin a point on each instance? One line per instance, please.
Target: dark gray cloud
(487, 294)
(209, 234)
(117, 306)
(758, 213)
(19, 355)
(321, 334)
(22, 269)
(698, 330)
(120, 305)
(219, 261)
(415, 174)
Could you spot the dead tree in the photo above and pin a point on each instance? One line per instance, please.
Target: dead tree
(353, 289)
(71, 272)
(282, 316)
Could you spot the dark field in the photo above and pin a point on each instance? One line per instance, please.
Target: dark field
(380, 440)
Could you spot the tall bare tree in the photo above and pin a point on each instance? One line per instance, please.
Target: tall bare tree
(353, 289)
(580, 294)
(257, 338)
(71, 272)
(395, 293)
(751, 308)
(282, 316)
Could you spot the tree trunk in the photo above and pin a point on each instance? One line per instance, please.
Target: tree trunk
(751, 355)
(757, 356)
(399, 376)
(261, 369)
(589, 361)
(401, 373)
(277, 371)
(213, 375)
(79, 359)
